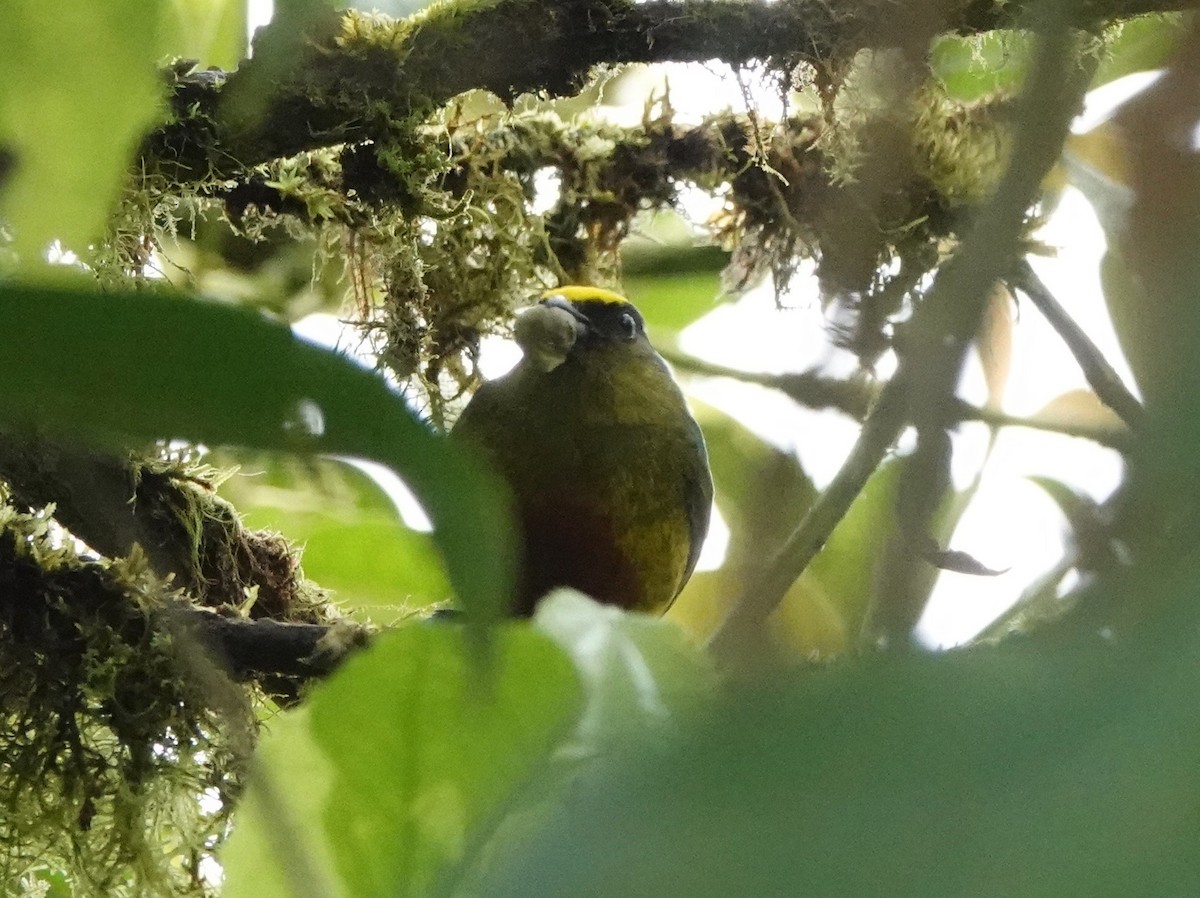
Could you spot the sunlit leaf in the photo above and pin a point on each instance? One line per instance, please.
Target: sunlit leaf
(1139, 44)
(355, 544)
(400, 765)
(846, 569)
(763, 493)
(78, 86)
(995, 344)
(1079, 408)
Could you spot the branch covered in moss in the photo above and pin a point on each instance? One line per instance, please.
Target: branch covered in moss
(251, 649)
(334, 79)
(172, 512)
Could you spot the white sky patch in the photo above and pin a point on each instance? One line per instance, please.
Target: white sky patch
(1011, 522)
(696, 91)
(1102, 103)
(411, 512)
(716, 543)
(547, 188)
(258, 13)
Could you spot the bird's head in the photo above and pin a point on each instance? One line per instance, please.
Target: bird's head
(573, 319)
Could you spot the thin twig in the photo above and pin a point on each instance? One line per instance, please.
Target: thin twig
(1101, 376)
(856, 397)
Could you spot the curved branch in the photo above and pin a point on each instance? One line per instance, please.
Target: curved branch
(856, 398)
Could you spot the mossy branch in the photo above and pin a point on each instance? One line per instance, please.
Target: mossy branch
(336, 78)
(184, 530)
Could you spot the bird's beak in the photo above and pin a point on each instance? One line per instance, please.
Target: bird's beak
(548, 331)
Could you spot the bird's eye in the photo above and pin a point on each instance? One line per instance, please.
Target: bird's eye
(628, 326)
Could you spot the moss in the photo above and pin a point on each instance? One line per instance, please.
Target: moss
(108, 740)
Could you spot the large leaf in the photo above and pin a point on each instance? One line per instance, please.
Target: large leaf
(400, 767)
(131, 368)
(1032, 770)
(78, 86)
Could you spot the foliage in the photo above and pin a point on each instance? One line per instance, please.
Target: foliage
(397, 174)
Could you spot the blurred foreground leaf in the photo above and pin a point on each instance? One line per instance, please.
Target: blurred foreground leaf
(129, 369)
(639, 673)
(1035, 770)
(77, 88)
(399, 767)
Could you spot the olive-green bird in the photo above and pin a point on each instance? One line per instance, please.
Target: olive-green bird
(607, 466)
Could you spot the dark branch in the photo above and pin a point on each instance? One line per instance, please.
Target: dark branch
(251, 649)
(321, 82)
(184, 529)
(856, 397)
(1101, 376)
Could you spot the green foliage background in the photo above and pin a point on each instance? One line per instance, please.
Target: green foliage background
(590, 752)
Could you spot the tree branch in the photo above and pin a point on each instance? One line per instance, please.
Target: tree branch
(741, 627)
(252, 649)
(184, 529)
(47, 601)
(348, 79)
(856, 397)
(1101, 376)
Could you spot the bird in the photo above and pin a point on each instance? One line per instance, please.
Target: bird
(606, 466)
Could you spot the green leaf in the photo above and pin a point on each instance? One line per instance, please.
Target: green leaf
(127, 369)
(1030, 769)
(639, 673)
(400, 767)
(1139, 45)
(213, 32)
(78, 86)
(672, 281)
(846, 569)
(673, 302)
(353, 539)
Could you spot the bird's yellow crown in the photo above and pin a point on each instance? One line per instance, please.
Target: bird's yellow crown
(578, 293)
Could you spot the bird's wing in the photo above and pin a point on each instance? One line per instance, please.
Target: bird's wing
(697, 496)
